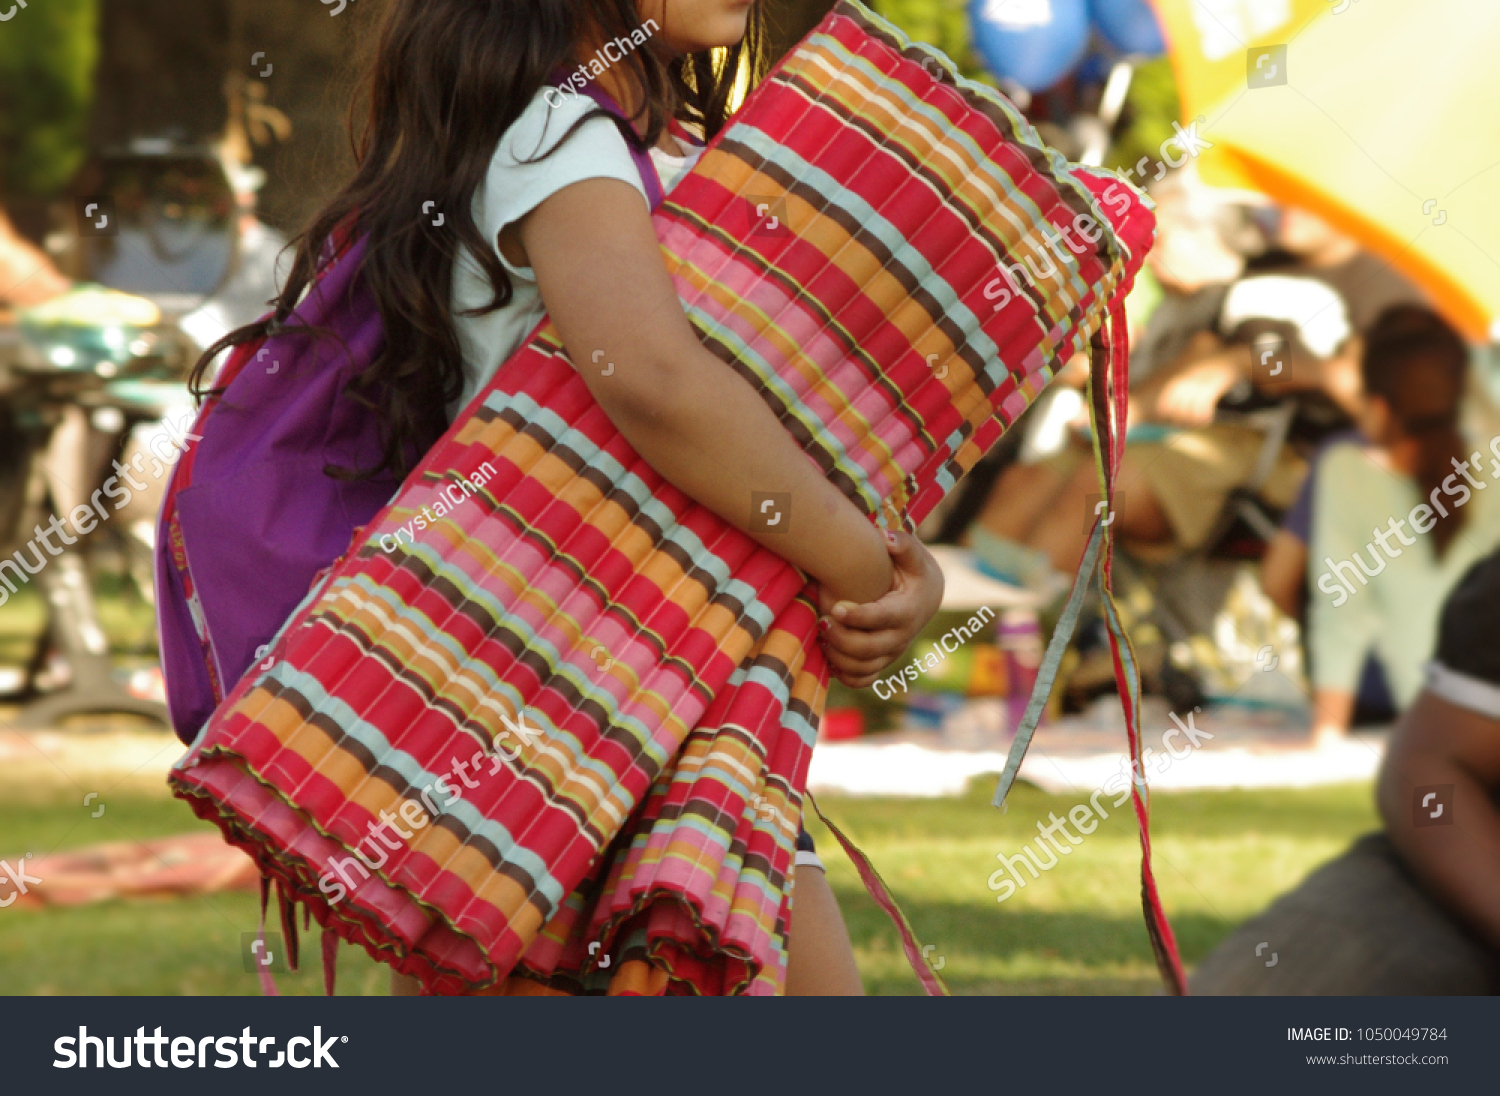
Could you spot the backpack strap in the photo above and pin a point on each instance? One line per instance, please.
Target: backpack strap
(642, 157)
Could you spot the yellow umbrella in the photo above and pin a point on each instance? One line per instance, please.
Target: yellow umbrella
(1377, 114)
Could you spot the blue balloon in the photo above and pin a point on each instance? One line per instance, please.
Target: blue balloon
(1033, 42)
(1128, 25)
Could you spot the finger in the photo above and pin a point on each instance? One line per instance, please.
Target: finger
(855, 679)
(856, 667)
(867, 642)
(826, 601)
(840, 610)
(863, 663)
(903, 548)
(893, 612)
(855, 643)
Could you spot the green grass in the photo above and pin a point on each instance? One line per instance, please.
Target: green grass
(1220, 857)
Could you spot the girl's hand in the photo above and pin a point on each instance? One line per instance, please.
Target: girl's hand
(862, 640)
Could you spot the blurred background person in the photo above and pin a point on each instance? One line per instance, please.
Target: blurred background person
(1284, 567)
(1198, 355)
(1195, 258)
(1395, 522)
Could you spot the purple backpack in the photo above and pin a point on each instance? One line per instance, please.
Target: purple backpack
(250, 519)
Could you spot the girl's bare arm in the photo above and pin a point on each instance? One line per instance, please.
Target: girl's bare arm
(690, 416)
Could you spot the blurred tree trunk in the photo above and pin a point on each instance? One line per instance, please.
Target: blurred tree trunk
(165, 71)
(161, 71)
(165, 68)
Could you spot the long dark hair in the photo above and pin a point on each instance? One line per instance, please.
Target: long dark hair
(440, 84)
(1417, 364)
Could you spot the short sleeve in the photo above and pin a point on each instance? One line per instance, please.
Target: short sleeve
(533, 161)
(1466, 668)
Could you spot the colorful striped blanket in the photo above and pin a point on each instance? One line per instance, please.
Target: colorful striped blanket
(546, 727)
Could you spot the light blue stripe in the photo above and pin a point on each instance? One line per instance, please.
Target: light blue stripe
(778, 688)
(438, 637)
(748, 354)
(1021, 128)
(872, 222)
(418, 777)
(969, 324)
(1030, 218)
(623, 479)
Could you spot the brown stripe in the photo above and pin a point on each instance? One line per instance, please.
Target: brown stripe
(1040, 299)
(485, 737)
(856, 232)
(356, 751)
(812, 84)
(727, 603)
(1006, 122)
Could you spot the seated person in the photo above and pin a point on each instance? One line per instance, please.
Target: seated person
(1181, 470)
(1283, 568)
(1180, 464)
(1395, 524)
(1193, 262)
(1414, 909)
(1188, 476)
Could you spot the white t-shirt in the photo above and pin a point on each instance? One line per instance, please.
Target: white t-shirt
(1396, 615)
(512, 189)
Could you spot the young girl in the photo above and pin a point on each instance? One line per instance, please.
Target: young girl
(472, 115)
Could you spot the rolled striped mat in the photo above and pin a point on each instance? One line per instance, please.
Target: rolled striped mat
(546, 727)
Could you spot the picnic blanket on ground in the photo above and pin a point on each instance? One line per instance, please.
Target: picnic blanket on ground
(546, 727)
(187, 864)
